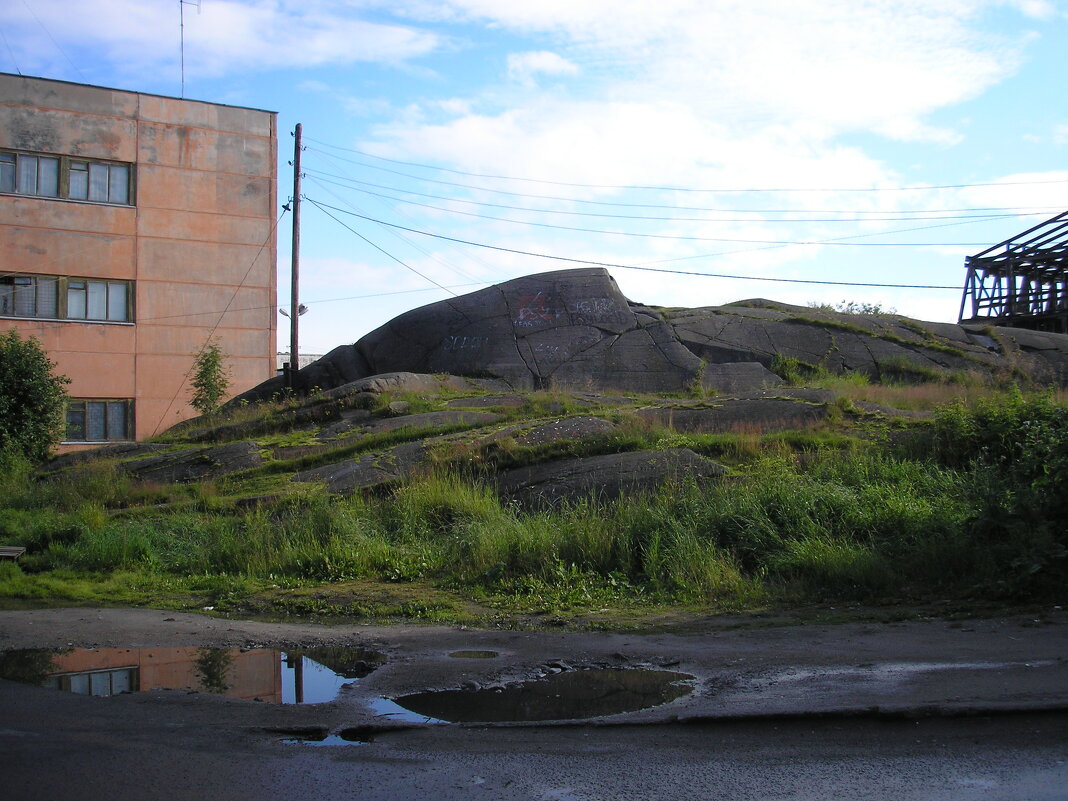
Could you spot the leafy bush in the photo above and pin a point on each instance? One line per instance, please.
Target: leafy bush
(1017, 449)
(32, 398)
(211, 379)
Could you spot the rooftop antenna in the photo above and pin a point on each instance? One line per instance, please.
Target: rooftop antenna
(181, 32)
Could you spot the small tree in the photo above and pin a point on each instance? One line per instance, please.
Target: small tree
(211, 379)
(32, 398)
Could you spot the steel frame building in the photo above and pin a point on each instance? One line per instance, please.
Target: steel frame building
(1021, 282)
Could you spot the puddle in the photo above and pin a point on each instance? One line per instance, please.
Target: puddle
(354, 736)
(332, 739)
(474, 654)
(391, 710)
(345, 738)
(307, 676)
(569, 695)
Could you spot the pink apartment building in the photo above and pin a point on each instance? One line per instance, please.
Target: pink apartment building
(133, 227)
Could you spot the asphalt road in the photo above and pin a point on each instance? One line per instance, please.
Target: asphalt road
(920, 710)
(1004, 757)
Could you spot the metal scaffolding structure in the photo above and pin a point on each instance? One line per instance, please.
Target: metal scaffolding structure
(1023, 281)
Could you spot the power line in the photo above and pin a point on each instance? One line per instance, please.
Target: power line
(618, 204)
(397, 234)
(323, 207)
(931, 215)
(48, 33)
(840, 241)
(376, 247)
(561, 199)
(673, 237)
(10, 50)
(655, 188)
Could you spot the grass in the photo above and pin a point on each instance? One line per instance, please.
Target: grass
(904, 384)
(929, 341)
(969, 507)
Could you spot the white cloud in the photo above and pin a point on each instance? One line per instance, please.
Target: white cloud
(678, 91)
(855, 65)
(226, 35)
(1038, 9)
(524, 67)
(1042, 191)
(454, 106)
(1060, 134)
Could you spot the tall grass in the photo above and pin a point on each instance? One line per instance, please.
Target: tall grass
(844, 525)
(976, 508)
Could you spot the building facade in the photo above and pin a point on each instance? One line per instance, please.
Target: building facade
(135, 228)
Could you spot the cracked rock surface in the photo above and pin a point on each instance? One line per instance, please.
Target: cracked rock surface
(574, 329)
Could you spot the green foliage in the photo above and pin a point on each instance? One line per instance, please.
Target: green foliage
(901, 368)
(31, 666)
(930, 342)
(788, 368)
(854, 307)
(1017, 448)
(32, 398)
(975, 508)
(795, 371)
(211, 379)
(212, 666)
(15, 473)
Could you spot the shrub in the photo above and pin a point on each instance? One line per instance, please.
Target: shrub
(211, 379)
(1017, 450)
(32, 398)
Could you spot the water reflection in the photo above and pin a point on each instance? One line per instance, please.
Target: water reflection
(309, 676)
(563, 696)
(212, 665)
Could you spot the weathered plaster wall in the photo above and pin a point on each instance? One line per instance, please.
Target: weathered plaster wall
(198, 238)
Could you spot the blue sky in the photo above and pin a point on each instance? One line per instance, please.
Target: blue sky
(865, 141)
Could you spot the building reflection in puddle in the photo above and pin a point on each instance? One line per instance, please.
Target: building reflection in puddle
(309, 676)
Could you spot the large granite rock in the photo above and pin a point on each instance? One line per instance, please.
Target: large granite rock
(195, 465)
(738, 415)
(574, 329)
(603, 478)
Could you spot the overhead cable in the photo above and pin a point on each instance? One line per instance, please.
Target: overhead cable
(654, 188)
(673, 237)
(322, 207)
(353, 184)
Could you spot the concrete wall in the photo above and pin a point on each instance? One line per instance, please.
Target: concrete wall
(198, 241)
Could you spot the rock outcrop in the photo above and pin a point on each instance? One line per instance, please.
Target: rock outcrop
(536, 450)
(574, 329)
(604, 477)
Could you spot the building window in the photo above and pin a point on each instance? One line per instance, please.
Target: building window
(65, 298)
(96, 682)
(96, 300)
(65, 177)
(99, 420)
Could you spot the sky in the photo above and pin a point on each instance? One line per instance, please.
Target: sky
(705, 151)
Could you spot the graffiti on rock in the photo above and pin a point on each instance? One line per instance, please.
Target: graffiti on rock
(539, 309)
(536, 309)
(549, 350)
(455, 344)
(592, 311)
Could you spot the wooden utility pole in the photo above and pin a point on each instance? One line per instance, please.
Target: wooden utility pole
(294, 291)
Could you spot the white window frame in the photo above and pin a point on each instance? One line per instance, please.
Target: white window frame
(106, 182)
(118, 296)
